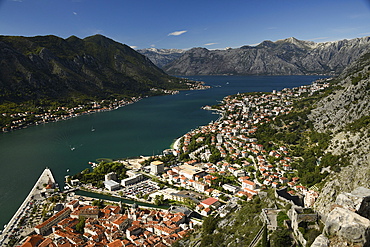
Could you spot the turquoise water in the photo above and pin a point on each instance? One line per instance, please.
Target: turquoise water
(144, 128)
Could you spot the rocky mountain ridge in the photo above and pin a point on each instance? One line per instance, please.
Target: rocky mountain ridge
(161, 57)
(283, 57)
(346, 114)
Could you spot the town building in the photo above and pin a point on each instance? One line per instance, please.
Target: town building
(189, 171)
(111, 185)
(248, 184)
(46, 225)
(132, 180)
(211, 202)
(156, 167)
(110, 176)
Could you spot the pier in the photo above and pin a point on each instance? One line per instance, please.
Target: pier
(35, 194)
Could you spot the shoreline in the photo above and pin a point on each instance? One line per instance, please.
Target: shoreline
(44, 178)
(48, 117)
(74, 115)
(176, 144)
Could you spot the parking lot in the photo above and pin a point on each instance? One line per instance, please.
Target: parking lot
(143, 187)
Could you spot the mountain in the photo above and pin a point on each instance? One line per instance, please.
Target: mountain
(49, 67)
(346, 113)
(283, 57)
(161, 57)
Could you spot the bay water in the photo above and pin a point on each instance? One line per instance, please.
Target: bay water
(143, 128)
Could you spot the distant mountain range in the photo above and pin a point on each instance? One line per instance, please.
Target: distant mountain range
(283, 57)
(49, 67)
(161, 57)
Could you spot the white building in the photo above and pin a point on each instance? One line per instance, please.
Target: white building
(132, 180)
(110, 176)
(111, 185)
(156, 167)
(230, 188)
(188, 171)
(248, 184)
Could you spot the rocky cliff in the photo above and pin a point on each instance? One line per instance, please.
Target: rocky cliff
(161, 57)
(52, 67)
(345, 113)
(283, 57)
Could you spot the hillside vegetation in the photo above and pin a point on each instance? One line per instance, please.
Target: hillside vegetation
(44, 78)
(49, 67)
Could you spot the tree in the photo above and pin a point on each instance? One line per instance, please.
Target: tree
(99, 203)
(81, 224)
(265, 242)
(281, 238)
(209, 225)
(158, 200)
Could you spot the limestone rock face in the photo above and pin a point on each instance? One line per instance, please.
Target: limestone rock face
(358, 200)
(349, 226)
(321, 241)
(161, 57)
(336, 113)
(283, 57)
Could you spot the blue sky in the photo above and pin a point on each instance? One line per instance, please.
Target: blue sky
(213, 24)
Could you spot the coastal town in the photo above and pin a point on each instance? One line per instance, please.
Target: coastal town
(24, 119)
(20, 120)
(207, 172)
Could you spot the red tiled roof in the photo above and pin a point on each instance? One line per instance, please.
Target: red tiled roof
(116, 243)
(209, 201)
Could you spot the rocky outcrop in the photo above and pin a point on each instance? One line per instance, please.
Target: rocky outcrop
(349, 226)
(348, 103)
(283, 57)
(344, 182)
(348, 221)
(357, 201)
(338, 113)
(321, 241)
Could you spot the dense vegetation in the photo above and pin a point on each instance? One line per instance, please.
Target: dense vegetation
(96, 176)
(54, 68)
(239, 228)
